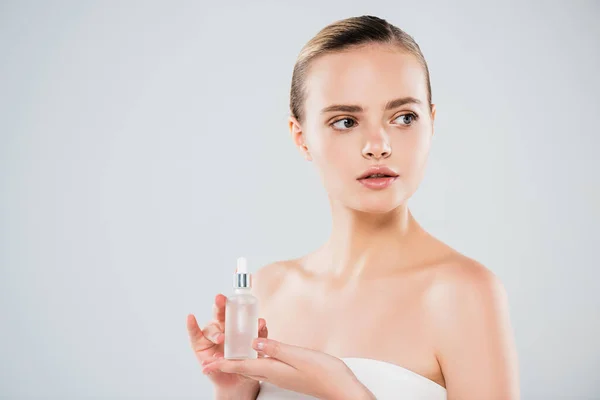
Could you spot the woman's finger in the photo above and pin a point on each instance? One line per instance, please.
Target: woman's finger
(263, 368)
(213, 333)
(209, 360)
(293, 355)
(263, 331)
(219, 309)
(256, 377)
(197, 339)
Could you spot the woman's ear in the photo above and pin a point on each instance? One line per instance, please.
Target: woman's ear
(299, 138)
(432, 118)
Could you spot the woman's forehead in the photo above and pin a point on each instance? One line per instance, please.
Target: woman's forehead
(366, 76)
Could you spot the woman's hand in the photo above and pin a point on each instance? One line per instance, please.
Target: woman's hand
(208, 345)
(296, 368)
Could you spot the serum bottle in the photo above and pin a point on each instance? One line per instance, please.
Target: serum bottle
(241, 316)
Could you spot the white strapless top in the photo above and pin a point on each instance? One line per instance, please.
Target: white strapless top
(385, 380)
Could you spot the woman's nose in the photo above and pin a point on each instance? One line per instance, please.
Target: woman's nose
(377, 148)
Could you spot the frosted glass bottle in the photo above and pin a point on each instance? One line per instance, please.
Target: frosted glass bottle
(241, 316)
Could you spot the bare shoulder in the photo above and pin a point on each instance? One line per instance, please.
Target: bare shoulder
(463, 293)
(472, 335)
(468, 312)
(460, 279)
(269, 278)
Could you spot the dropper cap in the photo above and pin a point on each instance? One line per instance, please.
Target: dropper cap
(242, 279)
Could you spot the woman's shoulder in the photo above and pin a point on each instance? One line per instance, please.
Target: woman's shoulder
(466, 288)
(456, 271)
(269, 277)
(456, 280)
(468, 319)
(453, 268)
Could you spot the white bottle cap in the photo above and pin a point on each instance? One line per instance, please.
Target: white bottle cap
(242, 265)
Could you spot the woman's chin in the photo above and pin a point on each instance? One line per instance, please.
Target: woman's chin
(376, 206)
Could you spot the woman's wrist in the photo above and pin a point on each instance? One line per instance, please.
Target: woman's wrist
(354, 390)
(246, 392)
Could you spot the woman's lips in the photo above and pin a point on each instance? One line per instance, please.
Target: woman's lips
(378, 183)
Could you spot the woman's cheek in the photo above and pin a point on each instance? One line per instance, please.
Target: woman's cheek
(415, 159)
(329, 171)
(415, 148)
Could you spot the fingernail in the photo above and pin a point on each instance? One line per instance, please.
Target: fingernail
(260, 344)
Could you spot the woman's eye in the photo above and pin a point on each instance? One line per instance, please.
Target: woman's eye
(347, 123)
(407, 118)
(344, 125)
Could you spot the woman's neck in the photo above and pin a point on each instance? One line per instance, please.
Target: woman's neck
(361, 243)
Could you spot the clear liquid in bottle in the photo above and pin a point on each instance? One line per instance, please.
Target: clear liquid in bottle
(241, 316)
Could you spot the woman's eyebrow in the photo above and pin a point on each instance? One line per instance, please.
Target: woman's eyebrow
(356, 108)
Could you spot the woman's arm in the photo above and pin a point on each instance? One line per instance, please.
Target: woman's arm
(354, 390)
(473, 335)
(250, 393)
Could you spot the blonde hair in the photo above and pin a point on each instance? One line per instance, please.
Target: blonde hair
(341, 35)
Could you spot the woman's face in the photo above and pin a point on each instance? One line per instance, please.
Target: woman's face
(345, 141)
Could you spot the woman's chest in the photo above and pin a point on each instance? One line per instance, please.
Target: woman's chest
(381, 321)
(385, 322)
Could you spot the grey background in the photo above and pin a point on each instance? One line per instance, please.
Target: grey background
(144, 147)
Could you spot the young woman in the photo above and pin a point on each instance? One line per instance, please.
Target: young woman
(382, 309)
